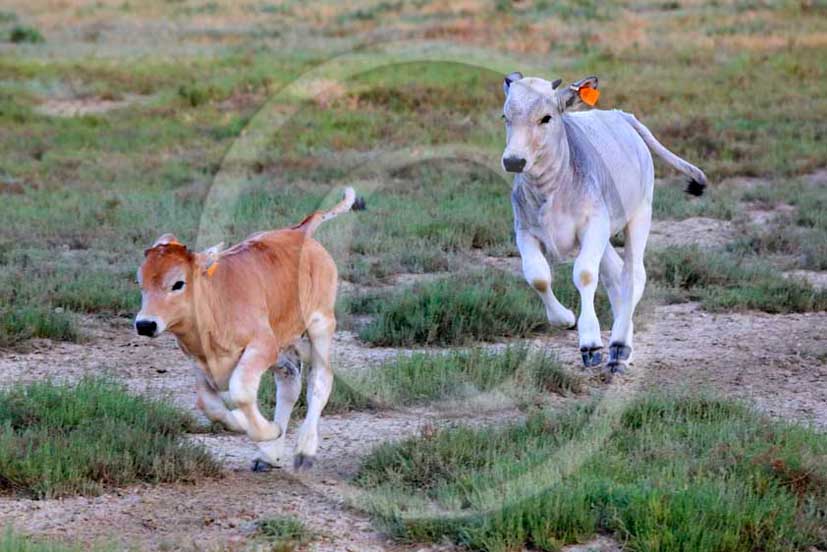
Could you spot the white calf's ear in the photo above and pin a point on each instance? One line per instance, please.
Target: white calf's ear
(509, 79)
(582, 92)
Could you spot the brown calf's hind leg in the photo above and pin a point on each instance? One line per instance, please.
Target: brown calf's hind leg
(319, 385)
(288, 371)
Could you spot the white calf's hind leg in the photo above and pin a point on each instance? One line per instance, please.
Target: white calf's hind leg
(593, 243)
(319, 385)
(633, 281)
(538, 274)
(611, 276)
(611, 268)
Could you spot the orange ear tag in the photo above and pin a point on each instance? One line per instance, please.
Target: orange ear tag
(211, 269)
(589, 95)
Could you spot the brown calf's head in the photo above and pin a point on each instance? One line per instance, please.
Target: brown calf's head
(165, 278)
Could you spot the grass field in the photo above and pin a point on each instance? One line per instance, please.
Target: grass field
(212, 119)
(75, 223)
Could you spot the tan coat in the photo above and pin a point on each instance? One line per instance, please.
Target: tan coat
(232, 311)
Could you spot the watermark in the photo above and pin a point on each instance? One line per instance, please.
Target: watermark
(369, 175)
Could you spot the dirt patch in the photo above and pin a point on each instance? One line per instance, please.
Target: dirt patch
(79, 107)
(506, 264)
(323, 92)
(744, 182)
(815, 278)
(775, 362)
(759, 214)
(600, 544)
(700, 231)
(817, 178)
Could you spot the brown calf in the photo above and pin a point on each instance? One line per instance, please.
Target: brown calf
(233, 311)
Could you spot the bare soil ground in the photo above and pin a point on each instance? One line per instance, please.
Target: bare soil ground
(777, 362)
(694, 230)
(78, 107)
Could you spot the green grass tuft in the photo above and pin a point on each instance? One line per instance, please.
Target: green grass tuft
(23, 33)
(671, 472)
(13, 542)
(801, 234)
(18, 323)
(725, 282)
(346, 396)
(420, 378)
(65, 439)
(283, 533)
(456, 311)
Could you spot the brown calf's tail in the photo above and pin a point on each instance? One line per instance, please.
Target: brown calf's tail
(313, 221)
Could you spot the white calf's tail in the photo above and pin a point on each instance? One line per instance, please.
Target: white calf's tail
(697, 178)
(313, 221)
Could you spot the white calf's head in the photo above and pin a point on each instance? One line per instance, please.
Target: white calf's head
(532, 112)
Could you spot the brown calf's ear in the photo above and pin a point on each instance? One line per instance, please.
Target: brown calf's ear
(581, 92)
(212, 252)
(166, 239)
(207, 260)
(509, 79)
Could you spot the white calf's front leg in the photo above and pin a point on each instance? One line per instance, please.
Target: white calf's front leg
(538, 274)
(593, 242)
(319, 385)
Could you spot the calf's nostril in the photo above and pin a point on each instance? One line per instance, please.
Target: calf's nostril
(146, 327)
(514, 164)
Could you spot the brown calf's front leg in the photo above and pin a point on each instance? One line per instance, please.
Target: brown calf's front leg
(212, 405)
(256, 359)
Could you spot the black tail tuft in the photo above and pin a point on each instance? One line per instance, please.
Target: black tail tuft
(695, 188)
(359, 204)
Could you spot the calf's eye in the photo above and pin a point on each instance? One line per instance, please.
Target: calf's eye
(545, 119)
(178, 285)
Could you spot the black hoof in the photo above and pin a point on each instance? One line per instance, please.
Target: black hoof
(303, 462)
(591, 356)
(261, 466)
(619, 352)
